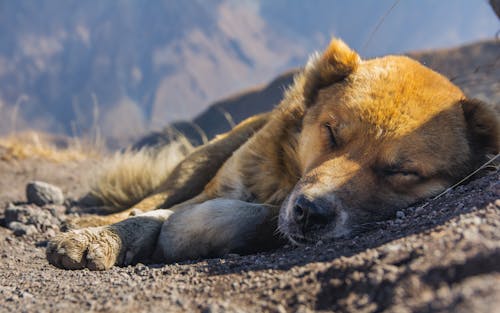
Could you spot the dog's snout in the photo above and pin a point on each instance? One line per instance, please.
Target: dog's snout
(308, 213)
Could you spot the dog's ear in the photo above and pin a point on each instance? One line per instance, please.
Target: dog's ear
(335, 64)
(482, 127)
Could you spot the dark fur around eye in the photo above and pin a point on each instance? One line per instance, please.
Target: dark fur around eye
(331, 135)
(393, 172)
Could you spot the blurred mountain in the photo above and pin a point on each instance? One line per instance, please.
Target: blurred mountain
(475, 68)
(124, 67)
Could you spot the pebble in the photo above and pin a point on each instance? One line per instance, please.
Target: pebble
(476, 220)
(21, 229)
(419, 209)
(214, 308)
(400, 215)
(41, 193)
(471, 235)
(27, 219)
(50, 233)
(26, 295)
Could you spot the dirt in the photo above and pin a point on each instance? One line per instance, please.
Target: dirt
(436, 257)
(71, 177)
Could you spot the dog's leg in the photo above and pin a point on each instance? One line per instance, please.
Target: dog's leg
(99, 248)
(146, 205)
(212, 228)
(187, 179)
(217, 227)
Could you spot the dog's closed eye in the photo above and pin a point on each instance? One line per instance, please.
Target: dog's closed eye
(400, 175)
(332, 138)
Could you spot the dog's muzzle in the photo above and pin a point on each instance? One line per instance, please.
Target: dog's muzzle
(305, 218)
(311, 215)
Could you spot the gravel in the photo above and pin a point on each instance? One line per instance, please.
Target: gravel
(438, 256)
(20, 229)
(27, 219)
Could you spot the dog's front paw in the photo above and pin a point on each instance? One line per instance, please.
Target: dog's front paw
(95, 248)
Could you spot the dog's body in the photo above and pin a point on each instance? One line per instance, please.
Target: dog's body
(351, 142)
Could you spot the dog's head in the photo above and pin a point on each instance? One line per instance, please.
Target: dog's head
(378, 135)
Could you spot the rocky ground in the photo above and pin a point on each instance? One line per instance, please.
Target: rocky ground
(438, 256)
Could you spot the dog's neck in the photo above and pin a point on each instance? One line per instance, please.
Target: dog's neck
(273, 169)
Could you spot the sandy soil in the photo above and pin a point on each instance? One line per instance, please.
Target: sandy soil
(442, 257)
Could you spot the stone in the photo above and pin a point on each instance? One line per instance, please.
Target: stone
(42, 219)
(41, 193)
(21, 229)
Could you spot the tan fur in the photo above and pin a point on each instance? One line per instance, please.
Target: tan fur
(163, 190)
(351, 142)
(128, 177)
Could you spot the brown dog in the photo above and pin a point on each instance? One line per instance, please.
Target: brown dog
(351, 142)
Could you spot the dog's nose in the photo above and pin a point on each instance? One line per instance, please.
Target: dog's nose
(308, 214)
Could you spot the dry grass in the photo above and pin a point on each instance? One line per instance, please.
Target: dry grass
(37, 145)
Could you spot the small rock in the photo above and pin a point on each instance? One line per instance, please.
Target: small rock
(400, 215)
(50, 233)
(178, 302)
(476, 220)
(30, 215)
(26, 295)
(280, 309)
(471, 235)
(21, 229)
(41, 193)
(140, 269)
(212, 308)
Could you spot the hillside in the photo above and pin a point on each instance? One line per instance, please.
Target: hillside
(123, 68)
(474, 67)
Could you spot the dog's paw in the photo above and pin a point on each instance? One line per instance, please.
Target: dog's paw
(94, 248)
